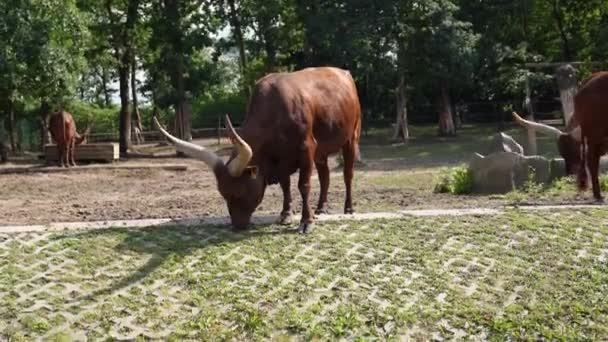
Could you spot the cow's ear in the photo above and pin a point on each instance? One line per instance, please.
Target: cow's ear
(252, 171)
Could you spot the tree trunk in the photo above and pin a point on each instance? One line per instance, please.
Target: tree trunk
(235, 21)
(271, 56)
(183, 111)
(137, 127)
(532, 148)
(12, 128)
(182, 106)
(402, 132)
(567, 83)
(124, 52)
(104, 84)
(125, 113)
(446, 121)
(45, 137)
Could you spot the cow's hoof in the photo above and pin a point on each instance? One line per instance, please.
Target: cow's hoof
(599, 200)
(349, 211)
(305, 228)
(321, 211)
(285, 218)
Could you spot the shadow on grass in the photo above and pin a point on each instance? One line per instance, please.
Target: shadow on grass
(167, 240)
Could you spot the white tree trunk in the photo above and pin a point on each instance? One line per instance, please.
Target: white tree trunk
(567, 83)
(531, 146)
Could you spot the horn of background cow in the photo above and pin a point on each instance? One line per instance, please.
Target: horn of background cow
(244, 153)
(192, 150)
(546, 129)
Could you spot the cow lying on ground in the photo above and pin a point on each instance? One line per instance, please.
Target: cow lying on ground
(63, 131)
(585, 139)
(294, 122)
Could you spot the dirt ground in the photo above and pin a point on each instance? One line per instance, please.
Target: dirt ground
(383, 184)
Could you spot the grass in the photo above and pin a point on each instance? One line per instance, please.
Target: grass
(562, 189)
(426, 146)
(518, 276)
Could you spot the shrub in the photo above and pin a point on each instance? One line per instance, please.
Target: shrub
(457, 181)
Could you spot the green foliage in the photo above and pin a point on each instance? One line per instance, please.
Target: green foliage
(456, 181)
(66, 50)
(104, 120)
(209, 109)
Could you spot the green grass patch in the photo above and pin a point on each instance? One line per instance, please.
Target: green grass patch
(456, 181)
(516, 276)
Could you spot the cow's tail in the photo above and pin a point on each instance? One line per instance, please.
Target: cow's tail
(64, 131)
(356, 137)
(582, 177)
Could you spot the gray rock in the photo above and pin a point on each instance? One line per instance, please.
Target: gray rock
(558, 168)
(504, 143)
(502, 172)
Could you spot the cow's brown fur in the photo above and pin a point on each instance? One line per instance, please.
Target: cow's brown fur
(63, 131)
(591, 113)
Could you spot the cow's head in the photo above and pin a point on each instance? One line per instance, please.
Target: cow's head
(568, 143)
(82, 139)
(237, 182)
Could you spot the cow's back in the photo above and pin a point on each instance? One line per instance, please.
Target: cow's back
(287, 108)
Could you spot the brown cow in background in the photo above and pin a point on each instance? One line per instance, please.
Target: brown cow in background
(63, 132)
(586, 137)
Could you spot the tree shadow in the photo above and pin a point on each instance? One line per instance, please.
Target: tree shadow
(167, 240)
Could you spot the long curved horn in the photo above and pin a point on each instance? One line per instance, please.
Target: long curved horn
(192, 150)
(244, 153)
(87, 131)
(546, 129)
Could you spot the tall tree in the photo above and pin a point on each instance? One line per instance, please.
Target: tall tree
(41, 55)
(180, 31)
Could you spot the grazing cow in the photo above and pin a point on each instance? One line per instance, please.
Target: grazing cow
(589, 124)
(293, 122)
(63, 132)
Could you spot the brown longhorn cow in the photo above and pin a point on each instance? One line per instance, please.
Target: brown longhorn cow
(63, 131)
(294, 122)
(589, 124)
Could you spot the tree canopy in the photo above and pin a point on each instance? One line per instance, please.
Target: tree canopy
(192, 60)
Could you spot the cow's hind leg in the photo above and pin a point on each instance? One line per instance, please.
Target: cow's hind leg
(349, 152)
(306, 165)
(62, 151)
(323, 172)
(286, 213)
(593, 160)
(72, 151)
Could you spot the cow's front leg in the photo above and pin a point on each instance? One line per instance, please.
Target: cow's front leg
(286, 213)
(306, 165)
(323, 172)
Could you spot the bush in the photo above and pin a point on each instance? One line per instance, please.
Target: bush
(104, 120)
(206, 111)
(457, 181)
